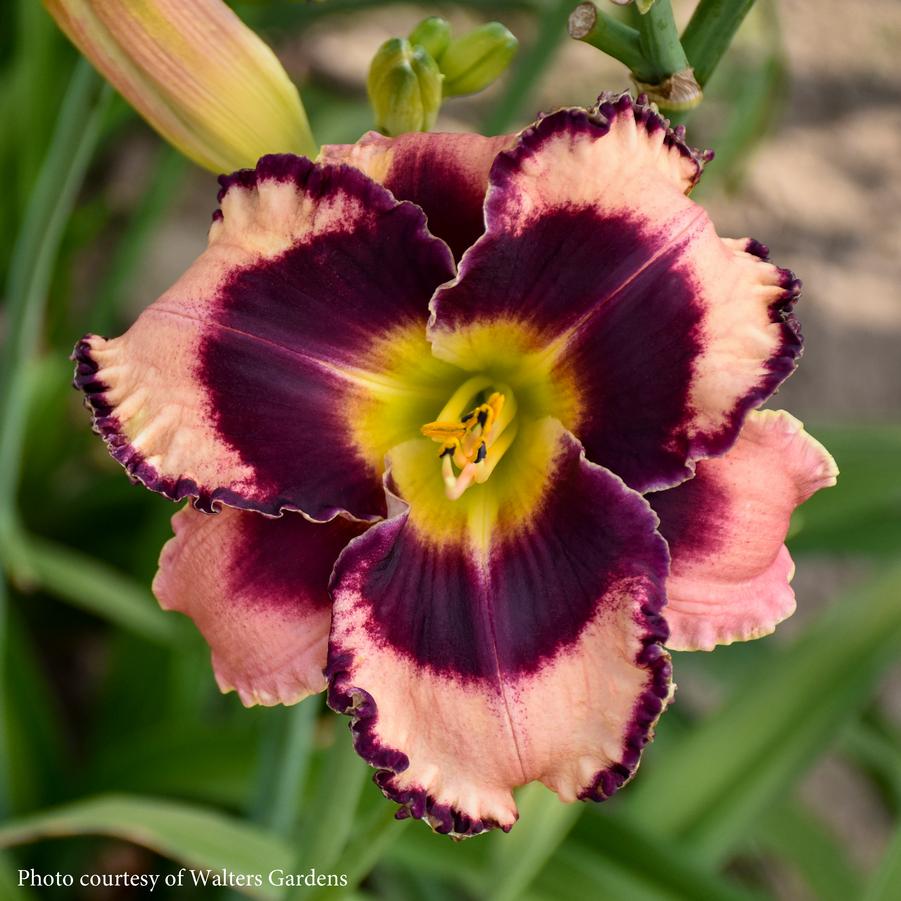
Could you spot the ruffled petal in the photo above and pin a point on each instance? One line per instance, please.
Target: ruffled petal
(599, 272)
(522, 644)
(726, 527)
(257, 589)
(445, 174)
(252, 380)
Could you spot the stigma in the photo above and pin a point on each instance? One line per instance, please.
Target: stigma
(473, 442)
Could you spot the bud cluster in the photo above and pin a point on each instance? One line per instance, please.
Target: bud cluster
(409, 77)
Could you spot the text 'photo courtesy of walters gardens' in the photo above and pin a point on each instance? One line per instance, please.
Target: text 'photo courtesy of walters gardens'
(183, 878)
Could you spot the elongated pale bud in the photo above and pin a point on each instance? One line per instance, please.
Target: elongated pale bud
(473, 61)
(433, 35)
(206, 82)
(404, 88)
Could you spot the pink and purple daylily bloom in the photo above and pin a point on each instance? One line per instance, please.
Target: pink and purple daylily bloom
(475, 414)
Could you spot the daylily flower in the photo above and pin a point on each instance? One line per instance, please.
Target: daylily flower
(456, 486)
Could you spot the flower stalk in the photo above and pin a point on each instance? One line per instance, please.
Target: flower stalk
(592, 25)
(661, 66)
(710, 32)
(674, 87)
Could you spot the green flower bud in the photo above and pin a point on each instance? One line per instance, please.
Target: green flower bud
(473, 61)
(404, 87)
(433, 35)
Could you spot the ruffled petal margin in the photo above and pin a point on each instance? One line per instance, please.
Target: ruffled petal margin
(229, 389)
(470, 670)
(257, 589)
(445, 174)
(730, 573)
(607, 277)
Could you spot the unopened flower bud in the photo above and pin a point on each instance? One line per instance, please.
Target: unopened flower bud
(475, 60)
(196, 73)
(404, 88)
(433, 35)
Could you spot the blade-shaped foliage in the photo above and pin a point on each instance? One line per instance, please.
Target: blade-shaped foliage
(713, 786)
(194, 836)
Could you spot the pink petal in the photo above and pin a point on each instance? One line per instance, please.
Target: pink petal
(445, 174)
(246, 382)
(472, 668)
(730, 572)
(596, 270)
(257, 589)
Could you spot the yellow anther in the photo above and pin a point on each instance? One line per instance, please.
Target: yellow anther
(444, 431)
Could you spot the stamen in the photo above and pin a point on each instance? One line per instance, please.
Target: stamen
(454, 408)
(475, 441)
(495, 452)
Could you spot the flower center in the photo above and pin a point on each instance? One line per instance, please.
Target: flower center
(475, 429)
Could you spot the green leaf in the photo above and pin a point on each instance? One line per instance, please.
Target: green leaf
(34, 255)
(36, 753)
(518, 857)
(641, 871)
(656, 864)
(885, 884)
(434, 856)
(90, 585)
(9, 882)
(333, 809)
(194, 836)
(206, 762)
(794, 834)
(879, 755)
(28, 279)
(283, 763)
(376, 833)
(168, 172)
(718, 781)
(710, 32)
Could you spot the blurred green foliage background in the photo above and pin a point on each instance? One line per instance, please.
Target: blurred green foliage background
(776, 774)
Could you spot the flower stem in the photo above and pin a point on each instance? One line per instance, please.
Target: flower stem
(593, 26)
(710, 32)
(660, 42)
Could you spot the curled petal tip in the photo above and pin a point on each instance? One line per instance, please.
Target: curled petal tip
(206, 82)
